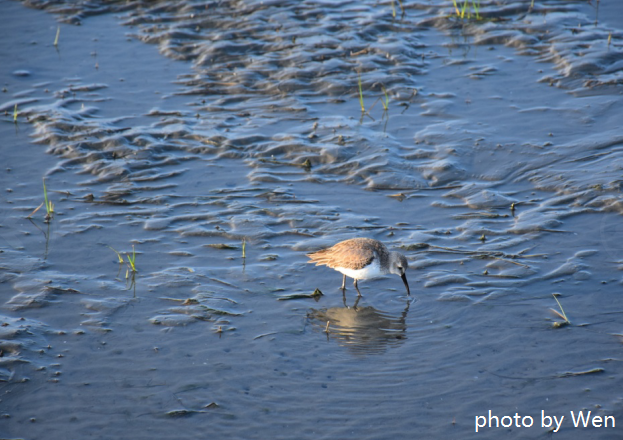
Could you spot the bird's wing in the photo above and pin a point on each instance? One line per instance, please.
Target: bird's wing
(349, 254)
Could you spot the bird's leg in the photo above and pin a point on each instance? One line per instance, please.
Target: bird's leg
(343, 283)
(357, 288)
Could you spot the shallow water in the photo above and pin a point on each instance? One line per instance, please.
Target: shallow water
(496, 168)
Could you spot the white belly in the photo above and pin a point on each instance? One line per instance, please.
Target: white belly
(371, 271)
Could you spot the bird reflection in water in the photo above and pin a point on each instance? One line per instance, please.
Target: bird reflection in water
(362, 329)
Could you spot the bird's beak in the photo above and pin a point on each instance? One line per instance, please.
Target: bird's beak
(404, 280)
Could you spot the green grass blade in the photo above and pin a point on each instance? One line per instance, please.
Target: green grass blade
(118, 254)
(456, 8)
(476, 5)
(132, 259)
(386, 102)
(363, 107)
(45, 198)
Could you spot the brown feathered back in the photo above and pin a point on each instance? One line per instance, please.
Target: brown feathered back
(355, 254)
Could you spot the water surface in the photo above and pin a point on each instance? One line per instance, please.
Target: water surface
(496, 169)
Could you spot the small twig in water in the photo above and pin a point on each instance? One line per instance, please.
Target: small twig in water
(36, 209)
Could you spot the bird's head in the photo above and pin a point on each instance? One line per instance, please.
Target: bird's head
(398, 265)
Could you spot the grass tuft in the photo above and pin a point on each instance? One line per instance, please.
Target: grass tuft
(560, 314)
(465, 12)
(131, 260)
